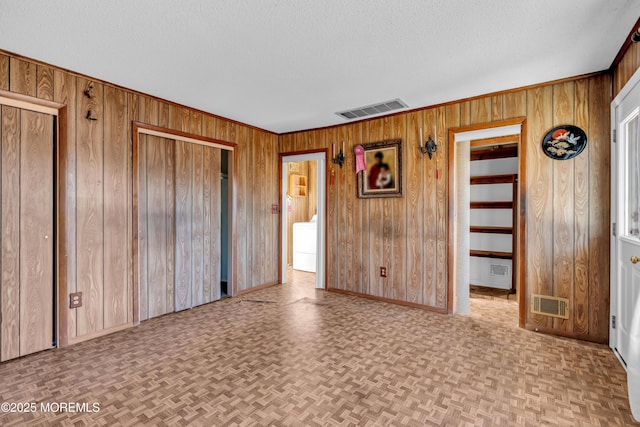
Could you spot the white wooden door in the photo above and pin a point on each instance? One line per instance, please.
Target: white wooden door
(626, 209)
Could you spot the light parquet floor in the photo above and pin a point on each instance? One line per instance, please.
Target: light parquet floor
(293, 355)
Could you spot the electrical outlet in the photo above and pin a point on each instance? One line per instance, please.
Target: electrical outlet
(275, 209)
(383, 271)
(75, 300)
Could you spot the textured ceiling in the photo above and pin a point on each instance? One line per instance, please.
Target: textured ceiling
(290, 65)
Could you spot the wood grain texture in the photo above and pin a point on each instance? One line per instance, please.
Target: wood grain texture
(133, 314)
(4, 72)
(197, 227)
(10, 255)
(156, 220)
(44, 82)
(65, 93)
(214, 169)
(243, 176)
(90, 209)
(143, 228)
(599, 213)
(581, 216)
(116, 209)
(443, 121)
(207, 241)
(547, 208)
(184, 203)
(563, 205)
(22, 77)
(399, 224)
(376, 227)
(540, 200)
(170, 215)
(36, 232)
(415, 203)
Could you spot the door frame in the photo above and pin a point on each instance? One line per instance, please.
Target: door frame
(60, 244)
(321, 156)
(613, 274)
(140, 128)
(519, 253)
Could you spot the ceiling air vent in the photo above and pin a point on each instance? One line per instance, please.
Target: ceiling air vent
(371, 110)
(550, 306)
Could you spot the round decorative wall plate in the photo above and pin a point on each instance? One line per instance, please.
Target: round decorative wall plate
(564, 142)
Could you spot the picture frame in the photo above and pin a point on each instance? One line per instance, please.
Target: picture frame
(383, 176)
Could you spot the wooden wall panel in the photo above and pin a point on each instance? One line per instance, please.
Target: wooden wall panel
(398, 263)
(540, 200)
(143, 229)
(563, 205)
(207, 241)
(414, 184)
(581, 215)
(184, 203)
(566, 205)
(4, 72)
(10, 254)
(242, 188)
(90, 209)
(156, 251)
(116, 157)
(36, 232)
(44, 82)
(599, 210)
(22, 77)
(170, 214)
(91, 213)
(197, 226)
(214, 248)
(441, 171)
(65, 93)
(628, 65)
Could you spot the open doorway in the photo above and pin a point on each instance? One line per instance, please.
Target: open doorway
(303, 217)
(487, 220)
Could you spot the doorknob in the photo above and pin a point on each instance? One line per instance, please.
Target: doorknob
(634, 259)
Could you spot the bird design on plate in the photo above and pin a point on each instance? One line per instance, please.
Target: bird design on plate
(564, 142)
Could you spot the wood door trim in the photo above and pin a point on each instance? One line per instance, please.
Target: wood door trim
(326, 192)
(26, 102)
(153, 130)
(521, 203)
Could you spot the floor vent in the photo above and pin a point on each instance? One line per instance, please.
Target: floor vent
(550, 306)
(371, 110)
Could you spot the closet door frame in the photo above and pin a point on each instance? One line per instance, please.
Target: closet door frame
(59, 112)
(140, 128)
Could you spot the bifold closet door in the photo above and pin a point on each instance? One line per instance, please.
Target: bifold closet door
(27, 232)
(179, 225)
(156, 225)
(197, 224)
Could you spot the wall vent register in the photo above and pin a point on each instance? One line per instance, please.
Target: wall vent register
(373, 109)
(550, 306)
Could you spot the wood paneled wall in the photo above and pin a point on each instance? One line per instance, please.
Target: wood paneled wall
(567, 205)
(628, 65)
(96, 188)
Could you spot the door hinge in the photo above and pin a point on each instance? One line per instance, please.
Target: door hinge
(613, 321)
(614, 136)
(613, 228)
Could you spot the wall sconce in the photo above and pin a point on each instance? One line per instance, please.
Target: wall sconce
(339, 159)
(431, 146)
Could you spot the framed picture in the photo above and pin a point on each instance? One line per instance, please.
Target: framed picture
(383, 176)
